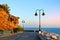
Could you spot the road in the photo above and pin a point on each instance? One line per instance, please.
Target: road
(22, 36)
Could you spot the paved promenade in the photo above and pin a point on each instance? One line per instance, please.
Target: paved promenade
(22, 36)
(25, 36)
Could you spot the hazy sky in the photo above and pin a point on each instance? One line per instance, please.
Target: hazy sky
(25, 9)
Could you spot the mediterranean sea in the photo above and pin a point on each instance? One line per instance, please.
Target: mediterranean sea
(50, 30)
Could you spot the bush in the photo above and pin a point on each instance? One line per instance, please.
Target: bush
(1, 31)
(16, 30)
(5, 7)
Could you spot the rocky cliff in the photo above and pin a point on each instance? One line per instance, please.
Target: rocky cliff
(7, 21)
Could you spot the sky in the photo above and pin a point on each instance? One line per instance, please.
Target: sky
(25, 9)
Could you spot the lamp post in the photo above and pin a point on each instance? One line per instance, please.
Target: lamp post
(39, 16)
(23, 23)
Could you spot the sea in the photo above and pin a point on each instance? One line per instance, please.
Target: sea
(50, 30)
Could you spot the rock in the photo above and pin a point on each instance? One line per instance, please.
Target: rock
(7, 21)
(54, 36)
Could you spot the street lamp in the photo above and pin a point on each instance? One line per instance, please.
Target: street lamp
(23, 23)
(39, 16)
